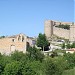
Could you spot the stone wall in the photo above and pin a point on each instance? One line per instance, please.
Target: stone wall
(50, 29)
(64, 33)
(10, 44)
(72, 33)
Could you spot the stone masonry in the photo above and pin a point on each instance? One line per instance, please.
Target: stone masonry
(50, 29)
(16, 42)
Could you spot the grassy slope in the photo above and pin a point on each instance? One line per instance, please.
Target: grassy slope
(69, 72)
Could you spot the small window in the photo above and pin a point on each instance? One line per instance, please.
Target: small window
(19, 38)
(13, 40)
(22, 38)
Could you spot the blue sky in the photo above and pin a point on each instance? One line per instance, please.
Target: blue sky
(28, 16)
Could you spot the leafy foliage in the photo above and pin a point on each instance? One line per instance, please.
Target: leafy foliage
(35, 63)
(2, 37)
(63, 46)
(70, 60)
(68, 46)
(35, 54)
(13, 68)
(64, 26)
(71, 45)
(42, 41)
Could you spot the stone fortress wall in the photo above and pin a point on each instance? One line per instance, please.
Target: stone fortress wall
(64, 33)
(50, 29)
(72, 33)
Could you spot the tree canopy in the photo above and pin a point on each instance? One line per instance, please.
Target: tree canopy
(42, 41)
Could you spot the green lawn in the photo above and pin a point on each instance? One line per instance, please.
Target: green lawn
(69, 72)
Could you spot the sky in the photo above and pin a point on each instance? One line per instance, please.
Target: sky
(28, 16)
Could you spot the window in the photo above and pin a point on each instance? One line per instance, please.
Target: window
(13, 40)
(19, 38)
(22, 38)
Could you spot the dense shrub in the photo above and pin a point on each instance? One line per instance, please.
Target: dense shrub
(35, 63)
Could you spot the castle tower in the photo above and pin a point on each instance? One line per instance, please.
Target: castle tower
(48, 29)
(72, 32)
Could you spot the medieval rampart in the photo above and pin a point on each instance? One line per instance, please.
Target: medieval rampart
(64, 33)
(50, 28)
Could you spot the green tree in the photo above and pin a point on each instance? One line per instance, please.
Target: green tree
(70, 58)
(42, 41)
(51, 67)
(63, 46)
(68, 46)
(13, 68)
(54, 54)
(1, 66)
(2, 37)
(32, 68)
(17, 56)
(64, 26)
(73, 45)
(3, 61)
(35, 54)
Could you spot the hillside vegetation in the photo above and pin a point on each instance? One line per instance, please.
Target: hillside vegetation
(34, 62)
(64, 26)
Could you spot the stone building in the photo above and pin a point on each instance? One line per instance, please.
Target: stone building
(16, 42)
(51, 29)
